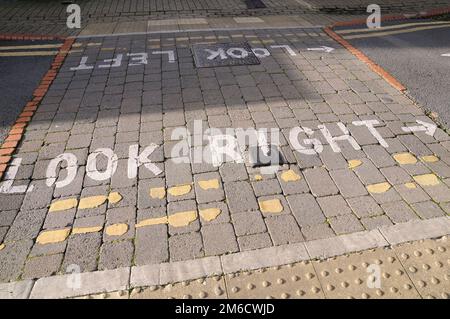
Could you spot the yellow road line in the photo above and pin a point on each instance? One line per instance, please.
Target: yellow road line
(392, 27)
(380, 34)
(29, 53)
(36, 46)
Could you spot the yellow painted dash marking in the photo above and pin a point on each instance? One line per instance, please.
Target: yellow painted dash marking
(426, 180)
(209, 184)
(92, 201)
(29, 53)
(179, 190)
(209, 214)
(158, 192)
(354, 163)
(271, 206)
(379, 188)
(64, 204)
(53, 236)
(258, 177)
(410, 185)
(116, 229)
(2, 246)
(152, 221)
(114, 197)
(429, 159)
(290, 176)
(405, 158)
(182, 218)
(34, 46)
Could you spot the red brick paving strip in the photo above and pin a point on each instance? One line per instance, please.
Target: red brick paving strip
(17, 130)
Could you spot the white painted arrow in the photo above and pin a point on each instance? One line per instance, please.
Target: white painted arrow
(445, 54)
(428, 128)
(322, 48)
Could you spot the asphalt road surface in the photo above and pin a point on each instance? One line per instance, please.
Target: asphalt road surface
(412, 51)
(22, 65)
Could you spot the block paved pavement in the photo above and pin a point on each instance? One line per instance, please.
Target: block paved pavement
(188, 211)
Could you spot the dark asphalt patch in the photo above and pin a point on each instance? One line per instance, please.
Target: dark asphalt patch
(19, 76)
(416, 60)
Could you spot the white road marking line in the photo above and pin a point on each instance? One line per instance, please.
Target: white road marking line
(428, 128)
(393, 27)
(445, 54)
(380, 34)
(322, 48)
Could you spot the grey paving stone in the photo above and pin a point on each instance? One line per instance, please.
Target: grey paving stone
(368, 173)
(305, 210)
(320, 182)
(60, 219)
(290, 186)
(82, 250)
(209, 194)
(389, 196)
(333, 205)
(248, 223)
(7, 217)
(428, 210)
(240, 197)
(283, 230)
(40, 197)
(255, 241)
(10, 202)
(151, 245)
(185, 246)
(232, 172)
(439, 193)
(378, 155)
(376, 222)
(414, 145)
(219, 239)
(266, 187)
(399, 212)
(12, 259)
(412, 195)
(364, 206)
(396, 175)
(78, 141)
(116, 254)
(332, 160)
(43, 266)
(177, 173)
(345, 224)
(144, 189)
(26, 225)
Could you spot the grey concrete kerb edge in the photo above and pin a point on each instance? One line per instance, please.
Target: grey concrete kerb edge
(161, 274)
